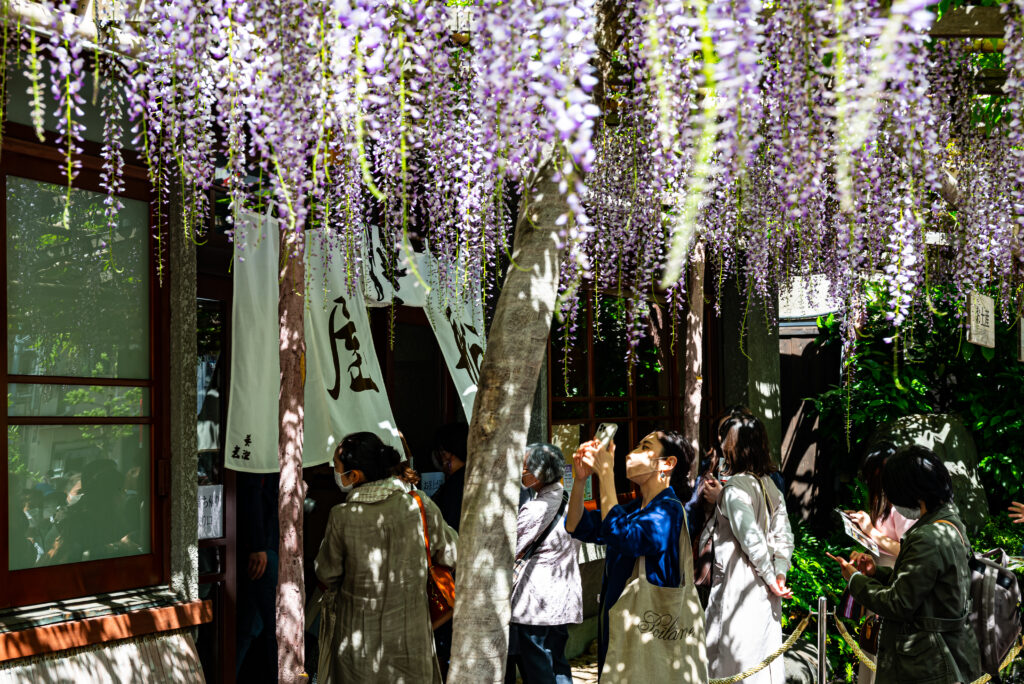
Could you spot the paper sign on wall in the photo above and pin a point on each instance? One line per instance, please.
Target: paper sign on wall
(567, 438)
(211, 511)
(431, 482)
(982, 320)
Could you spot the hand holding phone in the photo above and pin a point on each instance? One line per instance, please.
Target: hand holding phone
(604, 457)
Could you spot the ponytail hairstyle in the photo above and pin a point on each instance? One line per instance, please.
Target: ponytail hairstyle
(674, 444)
(366, 452)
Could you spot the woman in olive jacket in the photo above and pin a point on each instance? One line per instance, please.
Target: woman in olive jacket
(924, 601)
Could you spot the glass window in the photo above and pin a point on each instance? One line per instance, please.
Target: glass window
(79, 493)
(79, 401)
(638, 405)
(79, 355)
(77, 298)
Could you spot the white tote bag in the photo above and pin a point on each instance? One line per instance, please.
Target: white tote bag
(656, 634)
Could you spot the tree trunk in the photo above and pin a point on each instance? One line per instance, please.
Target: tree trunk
(497, 438)
(291, 593)
(694, 390)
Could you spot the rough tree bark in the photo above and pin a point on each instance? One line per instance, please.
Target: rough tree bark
(497, 438)
(291, 595)
(694, 381)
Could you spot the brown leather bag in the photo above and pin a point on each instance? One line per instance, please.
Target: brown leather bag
(440, 580)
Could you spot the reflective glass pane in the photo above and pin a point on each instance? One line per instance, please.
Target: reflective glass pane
(650, 372)
(611, 409)
(76, 400)
(569, 359)
(611, 371)
(653, 408)
(77, 298)
(77, 493)
(565, 410)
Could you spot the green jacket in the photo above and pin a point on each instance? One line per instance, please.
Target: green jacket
(924, 601)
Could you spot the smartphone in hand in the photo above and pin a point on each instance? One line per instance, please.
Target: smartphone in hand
(606, 433)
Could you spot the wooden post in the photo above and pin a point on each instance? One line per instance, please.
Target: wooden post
(497, 439)
(291, 595)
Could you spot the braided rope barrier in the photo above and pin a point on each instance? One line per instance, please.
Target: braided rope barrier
(1010, 657)
(861, 656)
(767, 661)
(870, 664)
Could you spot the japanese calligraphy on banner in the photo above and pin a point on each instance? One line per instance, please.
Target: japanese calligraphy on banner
(251, 443)
(344, 390)
(981, 311)
(388, 280)
(458, 325)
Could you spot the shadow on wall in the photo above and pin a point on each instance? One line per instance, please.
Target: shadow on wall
(949, 438)
(167, 658)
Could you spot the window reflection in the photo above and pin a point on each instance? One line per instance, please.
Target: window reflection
(77, 297)
(77, 493)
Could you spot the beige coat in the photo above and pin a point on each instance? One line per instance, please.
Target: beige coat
(373, 555)
(751, 548)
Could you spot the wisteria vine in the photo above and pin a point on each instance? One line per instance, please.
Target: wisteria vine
(817, 137)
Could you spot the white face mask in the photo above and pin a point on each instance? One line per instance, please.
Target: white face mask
(908, 513)
(345, 489)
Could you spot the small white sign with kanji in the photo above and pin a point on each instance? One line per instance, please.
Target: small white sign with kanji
(982, 320)
(211, 511)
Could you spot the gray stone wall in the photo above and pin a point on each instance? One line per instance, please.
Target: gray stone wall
(182, 391)
(750, 361)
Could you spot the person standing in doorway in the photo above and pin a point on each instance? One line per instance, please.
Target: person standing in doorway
(449, 457)
(257, 573)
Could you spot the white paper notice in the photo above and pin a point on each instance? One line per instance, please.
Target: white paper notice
(431, 482)
(982, 312)
(211, 511)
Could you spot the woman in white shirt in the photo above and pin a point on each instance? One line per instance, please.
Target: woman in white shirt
(753, 546)
(548, 595)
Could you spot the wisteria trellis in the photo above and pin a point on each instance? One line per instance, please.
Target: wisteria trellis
(807, 136)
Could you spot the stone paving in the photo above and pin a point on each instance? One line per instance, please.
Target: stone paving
(584, 668)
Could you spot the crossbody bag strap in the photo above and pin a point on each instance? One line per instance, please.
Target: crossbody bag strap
(958, 533)
(535, 544)
(767, 501)
(426, 534)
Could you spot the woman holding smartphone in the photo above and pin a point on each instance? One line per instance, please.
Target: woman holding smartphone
(647, 544)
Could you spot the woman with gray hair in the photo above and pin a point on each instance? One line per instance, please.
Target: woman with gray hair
(546, 595)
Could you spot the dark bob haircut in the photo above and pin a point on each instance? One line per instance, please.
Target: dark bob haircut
(913, 474)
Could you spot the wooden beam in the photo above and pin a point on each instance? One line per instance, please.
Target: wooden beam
(970, 22)
(62, 636)
(990, 81)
